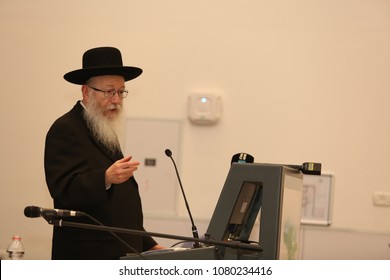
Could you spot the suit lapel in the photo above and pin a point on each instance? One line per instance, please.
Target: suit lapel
(114, 156)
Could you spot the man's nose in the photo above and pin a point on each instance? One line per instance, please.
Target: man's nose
(116, 99)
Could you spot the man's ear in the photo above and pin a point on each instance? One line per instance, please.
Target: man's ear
(84, 90)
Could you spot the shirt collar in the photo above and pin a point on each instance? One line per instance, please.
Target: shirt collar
(82, 104)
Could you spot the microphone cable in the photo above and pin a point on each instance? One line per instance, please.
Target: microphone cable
(117, 237)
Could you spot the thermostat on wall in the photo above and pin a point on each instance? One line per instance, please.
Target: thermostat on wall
(204, 109)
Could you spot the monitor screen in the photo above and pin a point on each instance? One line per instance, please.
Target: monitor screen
(244, 213)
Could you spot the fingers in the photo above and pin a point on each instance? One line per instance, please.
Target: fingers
(125, 159)
(121, 170)
(126, 163)
(129, 165)
(125, 167)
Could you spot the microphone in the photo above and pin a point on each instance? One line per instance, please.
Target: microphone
(168, 152)
(35, 212)
(242, 158)
(310, 168)
(49, 214)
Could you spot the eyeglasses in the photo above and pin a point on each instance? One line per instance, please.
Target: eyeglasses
(122, 93)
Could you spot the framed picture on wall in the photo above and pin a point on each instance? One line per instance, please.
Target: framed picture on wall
(317, 199)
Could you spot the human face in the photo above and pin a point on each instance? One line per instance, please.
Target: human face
(108, 106)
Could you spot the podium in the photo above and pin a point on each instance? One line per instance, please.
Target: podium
(206, 253)
(254, 194)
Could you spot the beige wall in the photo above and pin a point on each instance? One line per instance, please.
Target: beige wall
(300, 81)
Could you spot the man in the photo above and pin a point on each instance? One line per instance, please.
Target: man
(85, 168)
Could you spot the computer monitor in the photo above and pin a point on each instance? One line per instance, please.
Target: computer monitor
(269, 191)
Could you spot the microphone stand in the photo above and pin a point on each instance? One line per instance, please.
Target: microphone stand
(235, 245)
(193, 226)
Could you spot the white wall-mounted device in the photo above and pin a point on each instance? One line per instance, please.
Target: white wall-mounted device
(204, 108)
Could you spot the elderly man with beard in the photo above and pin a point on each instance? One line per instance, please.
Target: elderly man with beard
(85, 168)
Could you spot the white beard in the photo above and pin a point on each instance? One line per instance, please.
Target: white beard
(104, 130)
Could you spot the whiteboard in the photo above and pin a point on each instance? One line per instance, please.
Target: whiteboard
(146, 140)
(317, 199)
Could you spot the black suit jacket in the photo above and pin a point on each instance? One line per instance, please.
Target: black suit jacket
(75, 165)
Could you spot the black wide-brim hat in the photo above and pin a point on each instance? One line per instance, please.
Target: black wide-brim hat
(100, 62)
